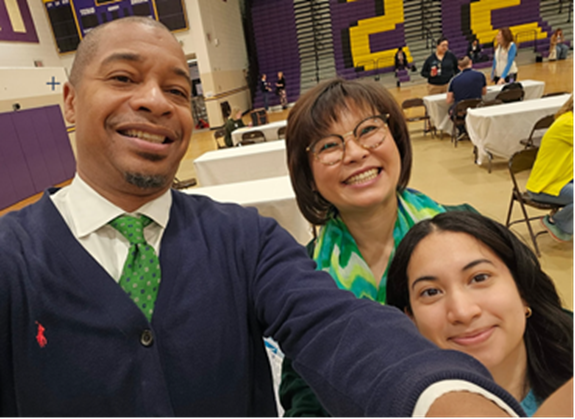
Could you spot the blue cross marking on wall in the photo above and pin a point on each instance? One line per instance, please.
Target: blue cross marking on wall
(53, 83)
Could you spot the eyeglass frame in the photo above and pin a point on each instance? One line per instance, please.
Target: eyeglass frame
(384, 117)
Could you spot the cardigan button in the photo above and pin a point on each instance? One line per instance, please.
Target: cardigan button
(147, 338)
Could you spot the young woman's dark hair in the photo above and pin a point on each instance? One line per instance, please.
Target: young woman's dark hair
(549, 331)
(311, 118)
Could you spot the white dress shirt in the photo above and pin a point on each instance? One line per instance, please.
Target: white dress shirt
(88, 213)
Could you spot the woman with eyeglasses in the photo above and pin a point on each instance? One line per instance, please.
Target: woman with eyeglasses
(349, 156)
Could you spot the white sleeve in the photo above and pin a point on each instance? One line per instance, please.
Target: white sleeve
(438, 389)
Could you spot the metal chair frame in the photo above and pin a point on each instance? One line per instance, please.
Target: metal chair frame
(416, 103)
(543, 123)
(461, 111)
(219, 134)
(511, 95)
(519, 162)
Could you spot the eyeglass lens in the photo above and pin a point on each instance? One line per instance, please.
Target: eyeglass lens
(369, 134)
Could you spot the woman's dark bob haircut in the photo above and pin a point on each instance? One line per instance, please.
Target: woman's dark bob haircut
(311, 118)
(549, 331)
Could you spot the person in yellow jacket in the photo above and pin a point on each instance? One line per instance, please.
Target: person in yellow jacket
(551, 179)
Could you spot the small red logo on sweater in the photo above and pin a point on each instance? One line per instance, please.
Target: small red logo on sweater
(42, 341)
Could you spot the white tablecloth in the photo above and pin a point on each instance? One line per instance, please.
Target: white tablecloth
(498, 129)
(438, 108)
(239, 164)
(272, 197)
(270, 131)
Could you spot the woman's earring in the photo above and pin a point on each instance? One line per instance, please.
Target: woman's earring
(528, 312)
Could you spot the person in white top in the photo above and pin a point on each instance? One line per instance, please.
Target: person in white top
(504, 69)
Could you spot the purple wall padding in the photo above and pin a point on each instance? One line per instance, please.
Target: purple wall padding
(7, 33)
(30, 143)
(16, 183)
(276, 43)
(61, 148)
(35, 153)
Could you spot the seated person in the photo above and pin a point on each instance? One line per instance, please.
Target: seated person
(551, 179)
(400, 60)
(468, 84)
(558, 50)
(489, 299)
(233, 123)
(474, 51)
(349, 156)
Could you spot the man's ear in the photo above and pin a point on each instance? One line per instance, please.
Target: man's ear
(69, 103)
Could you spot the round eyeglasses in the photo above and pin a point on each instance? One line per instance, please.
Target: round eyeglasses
(369, 134)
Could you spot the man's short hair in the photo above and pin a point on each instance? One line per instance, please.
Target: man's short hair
(89, 45)
(463, 62)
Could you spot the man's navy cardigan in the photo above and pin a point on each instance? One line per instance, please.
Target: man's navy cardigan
(72, 343)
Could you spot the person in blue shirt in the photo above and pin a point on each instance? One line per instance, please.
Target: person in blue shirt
(488, 298)
(468, 84)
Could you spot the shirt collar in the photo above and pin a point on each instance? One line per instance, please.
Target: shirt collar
(90, 211)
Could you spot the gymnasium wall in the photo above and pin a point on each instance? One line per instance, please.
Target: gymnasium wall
(367, 33)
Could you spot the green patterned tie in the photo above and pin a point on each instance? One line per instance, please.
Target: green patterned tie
(141, 274)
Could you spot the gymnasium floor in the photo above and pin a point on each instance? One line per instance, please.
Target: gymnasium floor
(448, 174)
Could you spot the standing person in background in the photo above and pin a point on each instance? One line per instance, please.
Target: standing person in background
(504, 69)
(551, 179)
(265, 89)
(281, 89)
(233, 123)
(439, 68)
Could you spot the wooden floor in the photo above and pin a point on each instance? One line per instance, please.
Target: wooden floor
(449, 175)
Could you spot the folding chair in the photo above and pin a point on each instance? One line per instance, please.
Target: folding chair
(511, 95)
(259, 117)
(219, 135)
(543, 123)
(519, 162)
(252, 137)
(282, 133)
(458, 116)
(418, 103)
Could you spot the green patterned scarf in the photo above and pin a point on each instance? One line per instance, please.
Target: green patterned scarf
(337, 253)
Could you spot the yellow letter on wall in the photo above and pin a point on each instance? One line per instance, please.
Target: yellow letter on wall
(359, 37)
(480, 18)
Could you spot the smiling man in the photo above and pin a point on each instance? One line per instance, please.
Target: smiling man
(121, 297)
